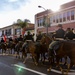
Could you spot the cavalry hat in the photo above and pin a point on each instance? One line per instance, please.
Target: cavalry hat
(59, 25)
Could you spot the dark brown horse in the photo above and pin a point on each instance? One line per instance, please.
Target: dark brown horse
(18, 47)
(45, 41)
(3, 47)
(67, 48)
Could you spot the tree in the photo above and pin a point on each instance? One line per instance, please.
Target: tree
(23, 24)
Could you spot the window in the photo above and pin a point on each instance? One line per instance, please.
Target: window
(38, 23)
(18, 31)
(41, 22)
(53, 19)
(72, 15)
(57, 18)
(2, 32)
(64, 17)
(50, 19)
(8, 32)
(44, 20)
(60, 17)
(68, 16)
(5, 32)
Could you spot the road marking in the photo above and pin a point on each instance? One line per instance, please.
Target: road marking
(30, 69)
(59, 72)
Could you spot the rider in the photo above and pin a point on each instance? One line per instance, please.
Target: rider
(59, 34)
(69, 34)
(27, 39)
(39, 36)
(29, 36)
(20, 38)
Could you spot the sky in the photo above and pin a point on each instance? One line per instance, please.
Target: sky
(11, 10)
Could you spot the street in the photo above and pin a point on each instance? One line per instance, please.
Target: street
(10, 65)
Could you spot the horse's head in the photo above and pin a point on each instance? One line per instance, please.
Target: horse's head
(46, 40)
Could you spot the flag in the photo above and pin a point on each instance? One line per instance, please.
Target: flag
(4, 38)
(23, 31)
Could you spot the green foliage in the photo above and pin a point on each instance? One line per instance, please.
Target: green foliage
(21, 23)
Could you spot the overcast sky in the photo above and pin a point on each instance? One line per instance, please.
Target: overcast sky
(11, 10)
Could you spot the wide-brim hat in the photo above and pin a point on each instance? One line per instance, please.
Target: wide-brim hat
(59, 25)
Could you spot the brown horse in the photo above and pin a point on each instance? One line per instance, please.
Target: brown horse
(67, 48)
(45, 41)
(29, 47)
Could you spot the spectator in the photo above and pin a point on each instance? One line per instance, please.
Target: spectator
(2, 40)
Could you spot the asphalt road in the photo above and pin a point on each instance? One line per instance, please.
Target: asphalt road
(9, 65)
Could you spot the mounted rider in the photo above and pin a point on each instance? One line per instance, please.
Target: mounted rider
(55, 43)
(39, 36)
(27, 38)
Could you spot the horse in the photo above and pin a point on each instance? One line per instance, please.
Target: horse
(67, 48)
(18, 47)
(3, 47)
(45, 41)
(29, 47)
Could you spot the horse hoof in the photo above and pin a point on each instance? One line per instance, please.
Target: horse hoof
(48, 70)
(16, 56)
(24, 62)
(36, 63)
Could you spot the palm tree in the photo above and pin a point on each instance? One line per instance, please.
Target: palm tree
(23, 24)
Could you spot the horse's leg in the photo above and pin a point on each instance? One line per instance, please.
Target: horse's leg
(25, 57)
(18, 55)
(41, 56)
(50, 60)
(65, 60)
(36, 58)
(22, 54)
(44, 58)
(2, 51)
(11, 50)
(69, 66)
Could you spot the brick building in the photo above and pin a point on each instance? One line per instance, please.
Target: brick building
(65, 16)
(15, 30)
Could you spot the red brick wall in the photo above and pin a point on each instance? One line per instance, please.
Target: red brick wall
(66, 5)
(54, 28)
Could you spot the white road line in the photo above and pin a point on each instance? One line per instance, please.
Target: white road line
(30, 69)
(59, 72)
(53, 70)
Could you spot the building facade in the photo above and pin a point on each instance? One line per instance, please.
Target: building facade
(15, 31)
(65, 16)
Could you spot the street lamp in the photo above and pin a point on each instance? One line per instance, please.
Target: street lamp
(46, 18)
